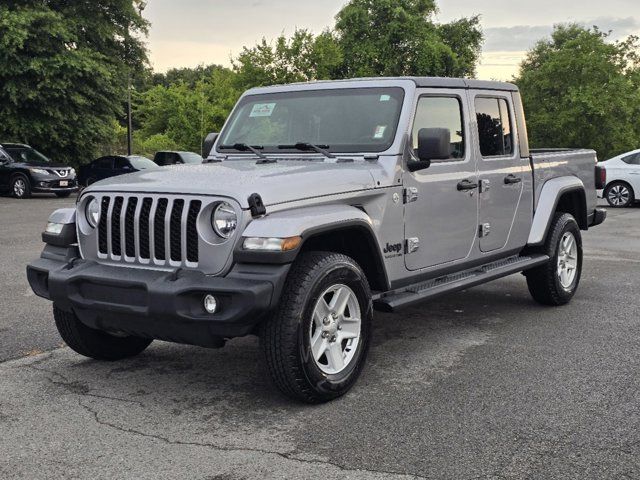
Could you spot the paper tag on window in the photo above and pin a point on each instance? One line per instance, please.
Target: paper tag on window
(262, 110)
(379, 133)
(385, 98)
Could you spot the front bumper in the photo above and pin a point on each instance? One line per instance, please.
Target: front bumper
(52, 189)
(157, 304)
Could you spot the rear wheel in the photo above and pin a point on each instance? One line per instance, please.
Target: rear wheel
(555, 282)
(94, 343)
(20, 187)
(619, 194)
(316, 343)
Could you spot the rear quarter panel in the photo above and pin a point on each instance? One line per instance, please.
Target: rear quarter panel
(561, 163)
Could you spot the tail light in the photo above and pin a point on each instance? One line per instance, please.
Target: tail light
(601, 177)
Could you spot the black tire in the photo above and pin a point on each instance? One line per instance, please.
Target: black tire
(26, 193)
(284, 335)
(96, 343)
(62, 194)
(624, 187)
(543, 281)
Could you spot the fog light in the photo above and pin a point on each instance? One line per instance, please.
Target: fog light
(210, 303)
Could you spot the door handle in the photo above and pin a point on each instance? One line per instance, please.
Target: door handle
(467, 185)
(510, 179)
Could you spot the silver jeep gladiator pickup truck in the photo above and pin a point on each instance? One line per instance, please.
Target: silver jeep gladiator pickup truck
(316, 205)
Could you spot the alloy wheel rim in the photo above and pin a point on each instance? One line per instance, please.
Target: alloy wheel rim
(334, 333)
(19, 187)
(567, 260)
(619, 195)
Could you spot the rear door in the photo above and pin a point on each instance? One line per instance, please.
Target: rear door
(501, 171)
(441, 202)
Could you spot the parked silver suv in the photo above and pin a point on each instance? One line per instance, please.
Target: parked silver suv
(317, 204)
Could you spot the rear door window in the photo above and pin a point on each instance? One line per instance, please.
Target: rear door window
(105, 163)
(633, 159)
(494, 127)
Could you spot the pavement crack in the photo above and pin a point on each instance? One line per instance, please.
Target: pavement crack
(76, 387)
(285, 455)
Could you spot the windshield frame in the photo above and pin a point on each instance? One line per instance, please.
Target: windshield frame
(267, 97)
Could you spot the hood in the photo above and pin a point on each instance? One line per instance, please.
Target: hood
(285, 181)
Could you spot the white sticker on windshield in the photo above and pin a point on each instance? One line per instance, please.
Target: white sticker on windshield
(385, 98)
(379, 133)
(262, 110)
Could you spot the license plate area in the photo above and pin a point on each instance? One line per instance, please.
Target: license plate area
(64, 183)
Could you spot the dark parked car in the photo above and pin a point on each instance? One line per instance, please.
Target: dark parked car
(24, 170)
(112, 166)
(173, 158)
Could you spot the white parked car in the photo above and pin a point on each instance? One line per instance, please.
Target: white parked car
(622, 184)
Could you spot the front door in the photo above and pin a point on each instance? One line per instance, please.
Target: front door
(500, 169)
(441, 210)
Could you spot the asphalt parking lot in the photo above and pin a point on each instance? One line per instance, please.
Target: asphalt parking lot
(479, 384)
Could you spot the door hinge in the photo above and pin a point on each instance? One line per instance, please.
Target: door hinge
(484, 230)
(410, 194)
(412, 244)
(484, 185)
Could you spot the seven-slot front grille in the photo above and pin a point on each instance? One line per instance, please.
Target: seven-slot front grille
(162, 231)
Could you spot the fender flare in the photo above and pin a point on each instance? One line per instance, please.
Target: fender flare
(550, 195)
(305, 222)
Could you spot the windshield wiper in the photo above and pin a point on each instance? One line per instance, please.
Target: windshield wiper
(305, 147)
(243, 147)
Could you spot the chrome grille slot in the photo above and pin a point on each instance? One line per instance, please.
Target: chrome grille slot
(129, 228)
(158, 234)
(145, 216)
(115, 227)
(175, 230)
(192, 233)
(102, 226)
(149, 230)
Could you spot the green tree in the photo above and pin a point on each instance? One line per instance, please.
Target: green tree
(581, 90)
(400, 37)
(63, 72)
(301, 58)
(183, 114)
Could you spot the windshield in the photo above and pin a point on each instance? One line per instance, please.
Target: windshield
(26, 154)
(190, 157)
(340, 120)
(141, 163)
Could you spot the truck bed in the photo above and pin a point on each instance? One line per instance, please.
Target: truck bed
(548, 163)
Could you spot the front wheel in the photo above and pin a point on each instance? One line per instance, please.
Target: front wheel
(316, 342)
(555, 282)
(20, 187)
(94, 343)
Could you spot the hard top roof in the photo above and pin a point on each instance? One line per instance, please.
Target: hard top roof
(421, 82)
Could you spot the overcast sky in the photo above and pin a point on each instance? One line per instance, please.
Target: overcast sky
(186, 33)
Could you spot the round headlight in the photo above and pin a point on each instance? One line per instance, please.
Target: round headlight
(224, 220)
(92, 212)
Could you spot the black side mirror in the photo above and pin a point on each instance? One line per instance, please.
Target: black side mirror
(208, 143)
(434, 144)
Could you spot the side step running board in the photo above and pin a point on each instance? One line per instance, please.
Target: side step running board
(418, 292)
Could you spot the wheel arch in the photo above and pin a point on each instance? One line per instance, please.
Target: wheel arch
(562, 194)
(342, 229)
